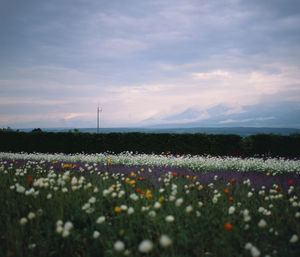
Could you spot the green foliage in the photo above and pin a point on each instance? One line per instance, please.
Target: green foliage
(195, 144)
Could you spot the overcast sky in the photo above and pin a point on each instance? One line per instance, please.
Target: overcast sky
(148, 62)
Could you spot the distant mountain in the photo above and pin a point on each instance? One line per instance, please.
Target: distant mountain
(242, 131)
(281, 115)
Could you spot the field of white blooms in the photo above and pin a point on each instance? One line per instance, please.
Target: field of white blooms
(148, 205)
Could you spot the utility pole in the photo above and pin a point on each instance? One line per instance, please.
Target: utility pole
(98, 117)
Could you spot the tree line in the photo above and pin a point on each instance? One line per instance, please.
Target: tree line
(157, 143)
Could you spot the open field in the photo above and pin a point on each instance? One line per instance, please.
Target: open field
(148, 205)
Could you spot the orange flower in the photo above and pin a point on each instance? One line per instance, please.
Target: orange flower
(290, 182)
(226, 191)
(228, 226)
(30, 179)
(230, 198)
(232, 180)
(139, 191)
(175, 174)
(148, 194)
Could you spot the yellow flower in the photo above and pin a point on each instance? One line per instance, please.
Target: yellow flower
(132, 182)
(142, 169)
(127, 180)
(132, 174)
(195, 177)
(161, 199)
(118, 209)
(200, 187)
(192, 185)
(187, 176)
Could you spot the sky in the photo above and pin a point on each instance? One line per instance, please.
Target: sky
(182, 62)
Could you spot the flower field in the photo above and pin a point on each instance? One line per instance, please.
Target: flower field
(148, 205)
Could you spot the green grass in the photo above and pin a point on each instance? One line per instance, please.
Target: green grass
(200, 232)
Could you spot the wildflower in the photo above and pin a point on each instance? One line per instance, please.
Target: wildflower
(157, 205)
(30, 179)
(169, 218)
(152, 214)
(119, 246)
(230, 198)
(165, 241)
(232, 180)
(118, 209)
(134, 197)
(96, 234)
(127, 180)
(294, 239)
(250, 194)
(23, 221)
(31, 215)
(100, 220)
(226, 191)
(254, 251)
(148, 194)
(200, 187)
(92, 200)
(178, 202)
(231, 210)
(145, 246)
(139, 191)
(228, 226)
(290, 182)
(132, 182)
(161, 199)
(200, 204)
(132, 174)
(175, 174)
(130, 210)
(189, 209)
(262, 223)
(142, 169)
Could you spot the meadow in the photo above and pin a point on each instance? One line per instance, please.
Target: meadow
(148, 205)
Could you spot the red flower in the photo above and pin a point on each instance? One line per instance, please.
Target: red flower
(230, 198)
(30, 179)
(290, 182)
(232, 180)
(175, 174)
(139, 191)
(226, 191)
(278, 189)
(228, 226)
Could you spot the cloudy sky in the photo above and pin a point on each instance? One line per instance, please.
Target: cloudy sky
(204, 62)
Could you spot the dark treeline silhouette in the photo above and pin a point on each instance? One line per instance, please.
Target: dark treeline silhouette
(200, 144)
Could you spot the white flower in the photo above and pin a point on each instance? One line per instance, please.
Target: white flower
(130, 210)
(294, 239)
(157, 205)
(31, 215)
(124, 207)
(119, 246)
(96, 234)
(200, 204)
(145, 246)
(165, 241)
(65, 233)
(49, 196)
(23, 221)
(250, 194)
(68, 225)
(134, 197)
(169, 218)
(189, 209)
(254, 251)
(100, 220)
(152, 214)
(231, 210)
(297, 215)
(59, 229)
(248, 246)
(262, 223)
(92, 200)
